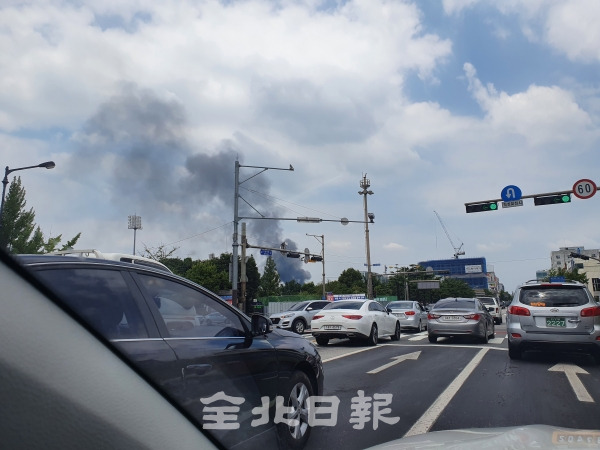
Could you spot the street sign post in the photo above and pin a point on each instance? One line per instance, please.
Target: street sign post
(584, 189)
(266, 252)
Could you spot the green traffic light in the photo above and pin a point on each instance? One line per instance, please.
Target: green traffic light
(493, 206)
(566, 198)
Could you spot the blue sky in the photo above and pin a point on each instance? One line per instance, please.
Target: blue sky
(144, 107)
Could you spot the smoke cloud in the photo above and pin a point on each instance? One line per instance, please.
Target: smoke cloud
(140, 142)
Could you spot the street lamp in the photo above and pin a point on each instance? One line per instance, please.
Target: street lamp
(369, 217)
(46, 165)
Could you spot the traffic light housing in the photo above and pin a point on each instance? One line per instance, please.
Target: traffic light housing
(579, 255)
(480, 207)
(552, 199)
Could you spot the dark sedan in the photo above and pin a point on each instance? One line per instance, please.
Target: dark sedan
(460, 317)
(222, 371)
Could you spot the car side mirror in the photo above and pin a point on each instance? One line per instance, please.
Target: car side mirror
(261, 325)
(388, 309)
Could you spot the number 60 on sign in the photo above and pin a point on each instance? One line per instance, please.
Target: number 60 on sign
(584, 189)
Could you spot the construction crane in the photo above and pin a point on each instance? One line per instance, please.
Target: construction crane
(457, 250)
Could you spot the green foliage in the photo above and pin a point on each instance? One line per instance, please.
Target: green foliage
(569, 275)
(451, 287)
(205, 273)
(177, 265)
(270, 283)
(19, 233)
(292, 287)
(253, 276)
(352, 282)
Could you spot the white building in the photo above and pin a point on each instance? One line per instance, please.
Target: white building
(591, 268)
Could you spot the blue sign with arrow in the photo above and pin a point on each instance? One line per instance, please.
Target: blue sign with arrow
(511, 193)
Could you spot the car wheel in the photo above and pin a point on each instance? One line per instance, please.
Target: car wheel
(396, 335)
(485, 337)
(432, 339)
(374, 336)
(298, 326)
(296, 397)
(513, 351)
(323, 341)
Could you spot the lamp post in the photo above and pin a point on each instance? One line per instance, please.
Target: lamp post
(46, 165)
(365, 184)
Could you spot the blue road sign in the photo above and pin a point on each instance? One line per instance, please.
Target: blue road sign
(266, 252)
(511, 193)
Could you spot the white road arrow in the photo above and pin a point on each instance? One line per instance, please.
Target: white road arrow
(571, 372)
(396, 360)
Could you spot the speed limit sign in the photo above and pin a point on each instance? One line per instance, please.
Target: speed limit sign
(584, 189)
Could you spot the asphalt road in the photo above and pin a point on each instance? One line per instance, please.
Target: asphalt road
(453, 384)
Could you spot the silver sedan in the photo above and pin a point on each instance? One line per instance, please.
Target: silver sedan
(460, 317)
(411, 314)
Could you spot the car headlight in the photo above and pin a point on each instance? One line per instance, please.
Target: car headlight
(287, 316)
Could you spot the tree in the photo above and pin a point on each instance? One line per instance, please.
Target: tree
(159, 253)
(292, 287)
(452, 287)
(569, 275)
(353, 281)
(19, 232)
(177, 265)
(270, 283)
(253, 276)
(205, 273)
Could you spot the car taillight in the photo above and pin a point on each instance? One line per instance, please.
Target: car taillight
(317, 317)
(590, 312)
(519, 311)
(352, 316)
(472, 317)
(433, 316)
(409, 313)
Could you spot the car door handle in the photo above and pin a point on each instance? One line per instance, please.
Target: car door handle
(195, 370)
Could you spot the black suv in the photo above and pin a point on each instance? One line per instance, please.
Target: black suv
(204, 353)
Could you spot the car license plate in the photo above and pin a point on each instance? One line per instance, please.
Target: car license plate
(332, 327)
(452, 317)
(555, 322)
(401, 315)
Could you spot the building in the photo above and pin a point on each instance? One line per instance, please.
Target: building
(473, 271)
(561, 259)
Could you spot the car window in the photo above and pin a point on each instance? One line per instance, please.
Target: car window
(101, 297)
(554, 296)
(188, 312)
(401, 305)
(456, 304)
(298, 306)
(344, 305)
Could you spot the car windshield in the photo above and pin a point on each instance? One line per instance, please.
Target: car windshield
(457, 304)
(401, 305)
(230, 162)
(298, 307)
(344, 305)
(487, 301)
(554, 296)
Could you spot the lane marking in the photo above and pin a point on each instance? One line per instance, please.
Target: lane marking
(419, 337)
(396, 360)
(427, 420)
(352, 353)
(571, 371)
(496, 341)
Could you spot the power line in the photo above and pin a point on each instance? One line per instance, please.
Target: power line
(200, 234)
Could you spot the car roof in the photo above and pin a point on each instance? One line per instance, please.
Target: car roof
(55, 261)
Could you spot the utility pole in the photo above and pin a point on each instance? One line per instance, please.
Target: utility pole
(134, 223)
(365, 184)
(321, 239)
(236, 219)
(243, 277)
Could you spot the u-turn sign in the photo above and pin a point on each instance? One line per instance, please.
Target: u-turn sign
(511, 193)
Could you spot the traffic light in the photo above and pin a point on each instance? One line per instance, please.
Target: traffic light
(479, 207)
(579, 255)
(552, 199)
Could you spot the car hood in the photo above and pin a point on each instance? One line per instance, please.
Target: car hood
(284, 313)
(286, 333)
(530, 436)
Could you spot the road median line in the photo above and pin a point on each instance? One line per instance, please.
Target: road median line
(427, 420)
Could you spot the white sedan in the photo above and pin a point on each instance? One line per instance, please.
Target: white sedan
(354, 319)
